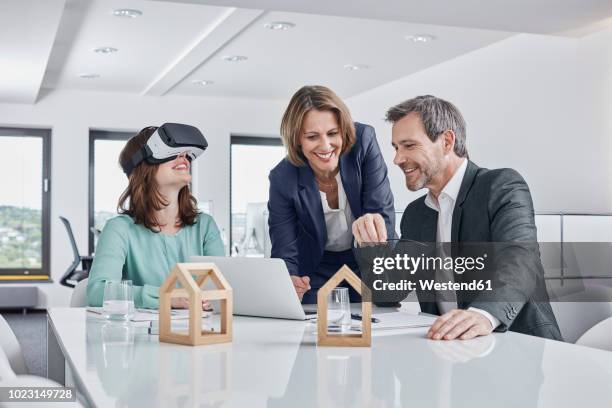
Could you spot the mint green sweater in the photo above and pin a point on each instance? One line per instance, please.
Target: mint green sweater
(126, 250)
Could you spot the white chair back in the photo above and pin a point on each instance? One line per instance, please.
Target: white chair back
(6, 371)
(598, 336)
(79, 294)
(578, 311)
(11, 347)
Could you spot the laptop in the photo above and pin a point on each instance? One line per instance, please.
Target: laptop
(261, 286)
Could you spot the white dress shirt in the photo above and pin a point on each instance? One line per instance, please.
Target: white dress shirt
(445, 205)
(338, 221)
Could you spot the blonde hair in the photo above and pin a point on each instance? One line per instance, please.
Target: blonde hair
(305, 99)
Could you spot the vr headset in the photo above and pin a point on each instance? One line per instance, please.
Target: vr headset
(168, 141)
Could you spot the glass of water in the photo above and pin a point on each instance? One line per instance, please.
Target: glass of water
(118, 300)
(338, 310)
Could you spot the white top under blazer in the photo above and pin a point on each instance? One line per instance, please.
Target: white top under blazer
(338, 221)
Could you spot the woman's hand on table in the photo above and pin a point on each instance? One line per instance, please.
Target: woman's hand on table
(183, 303)
(301, 285)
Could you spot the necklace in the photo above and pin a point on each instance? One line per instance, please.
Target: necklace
(322, 183)
(327, 188)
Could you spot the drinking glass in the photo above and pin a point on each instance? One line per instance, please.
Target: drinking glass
(118, 300)
(338, 310)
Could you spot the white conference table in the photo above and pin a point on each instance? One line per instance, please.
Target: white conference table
(276, 363)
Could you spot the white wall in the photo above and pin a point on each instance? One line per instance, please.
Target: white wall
(71, 114)
(539, 104)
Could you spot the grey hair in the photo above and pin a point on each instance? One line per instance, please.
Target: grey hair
(437, 116)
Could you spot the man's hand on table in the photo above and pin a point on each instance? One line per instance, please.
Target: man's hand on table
(460, 324)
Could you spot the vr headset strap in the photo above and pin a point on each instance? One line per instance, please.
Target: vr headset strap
(136, 158)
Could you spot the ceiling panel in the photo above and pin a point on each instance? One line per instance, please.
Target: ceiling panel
(27, 34)
(146, 45)
(558, 17)
(316, 50)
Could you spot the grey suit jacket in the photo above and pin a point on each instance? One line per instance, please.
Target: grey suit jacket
(494, 206)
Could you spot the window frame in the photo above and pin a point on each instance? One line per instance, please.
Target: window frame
(93, 136)
(45, 135)
(245, 140)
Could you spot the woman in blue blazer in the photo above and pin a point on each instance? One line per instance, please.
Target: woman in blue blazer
(333, 174)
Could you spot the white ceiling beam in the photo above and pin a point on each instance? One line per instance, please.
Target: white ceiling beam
(227, 27)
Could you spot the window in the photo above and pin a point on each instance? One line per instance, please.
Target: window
(24, 204)
(106, 178)
(251, 159)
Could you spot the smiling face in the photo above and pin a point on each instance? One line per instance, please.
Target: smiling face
(321, 141)
(174, 173)
(420, 159)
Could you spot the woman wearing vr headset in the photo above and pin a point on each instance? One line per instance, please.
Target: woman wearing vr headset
(159, 224)
(333, 174)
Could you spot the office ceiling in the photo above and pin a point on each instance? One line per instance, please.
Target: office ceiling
(553, 17)
(48, 45)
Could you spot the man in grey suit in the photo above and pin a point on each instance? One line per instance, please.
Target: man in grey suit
(465, 203)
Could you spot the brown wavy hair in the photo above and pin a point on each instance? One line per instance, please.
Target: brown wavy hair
(142, 198)
(320, 98)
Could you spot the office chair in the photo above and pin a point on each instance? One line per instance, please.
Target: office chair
(79, 294)
(72, 276)
(598, 336)
(579, 311)
(6, 371)
(11, 347)
(10, 379)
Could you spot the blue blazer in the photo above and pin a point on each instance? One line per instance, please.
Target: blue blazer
(296, 220)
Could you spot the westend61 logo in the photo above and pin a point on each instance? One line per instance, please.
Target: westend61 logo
(412, 264)
(391, 271)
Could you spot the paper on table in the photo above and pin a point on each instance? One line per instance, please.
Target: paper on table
(398, 320)
(401, 320)
(151, 315)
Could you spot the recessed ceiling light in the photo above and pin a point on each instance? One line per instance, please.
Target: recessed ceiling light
(357, 67)
(89, 76)
(202, 82)
(420, 38)
(234, 58)
(105, 50)
(279, 25)
(128, 13)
